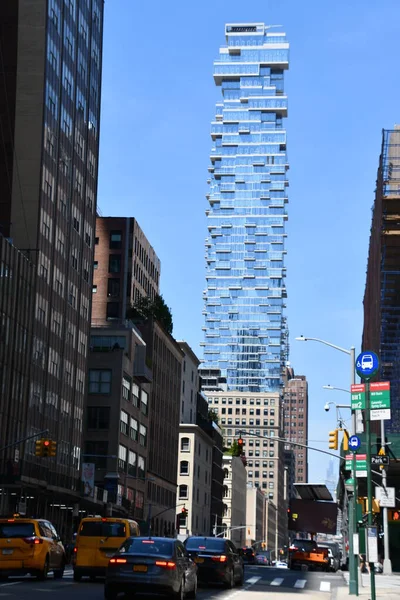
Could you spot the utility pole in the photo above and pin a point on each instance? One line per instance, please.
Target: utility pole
(369, 479)
(387, 563)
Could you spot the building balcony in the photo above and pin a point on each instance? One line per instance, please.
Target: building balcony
(141, 368)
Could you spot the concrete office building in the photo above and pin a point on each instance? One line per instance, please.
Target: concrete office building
(258, 417)
(190, 384)
(194, 480)
(234, 516)
(126, 268)
(50, 116)
(295, 425)
(255, 517)
(117, 418)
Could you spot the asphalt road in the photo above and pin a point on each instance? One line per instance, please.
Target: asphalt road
(259, 580)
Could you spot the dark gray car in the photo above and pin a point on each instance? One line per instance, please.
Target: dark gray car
(151, 565)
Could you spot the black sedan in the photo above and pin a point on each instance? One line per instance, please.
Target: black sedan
(151, 565)
(217, 559)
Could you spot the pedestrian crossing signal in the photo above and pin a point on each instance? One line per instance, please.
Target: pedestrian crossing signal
(393, 515)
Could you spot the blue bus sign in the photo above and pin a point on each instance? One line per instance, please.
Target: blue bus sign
(367, 364)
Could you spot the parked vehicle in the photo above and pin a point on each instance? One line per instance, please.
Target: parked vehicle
(334, 556)
(217, 559)
(30, 546)
(97, 540)
(153, 565)
(281, 565)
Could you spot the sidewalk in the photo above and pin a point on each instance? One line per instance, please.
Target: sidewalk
(387, 586)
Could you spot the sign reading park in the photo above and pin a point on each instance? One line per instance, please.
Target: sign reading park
(380, 400)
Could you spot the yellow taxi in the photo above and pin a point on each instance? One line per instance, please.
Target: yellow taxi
(30, 546)
(98, 539)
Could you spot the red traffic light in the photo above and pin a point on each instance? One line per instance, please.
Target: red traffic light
(240, 442)
(183, 511)
(46, 443)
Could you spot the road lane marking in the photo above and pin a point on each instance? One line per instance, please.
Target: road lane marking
(11, 583)
(253, 580)
(277, 581)
(300, 583)
(325, 586)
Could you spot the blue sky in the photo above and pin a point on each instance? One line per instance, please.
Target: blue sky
(158, 100)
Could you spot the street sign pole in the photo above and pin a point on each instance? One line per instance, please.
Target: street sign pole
(369, 477)
(387, 563)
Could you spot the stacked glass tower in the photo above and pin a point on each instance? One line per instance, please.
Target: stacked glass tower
(245, 330)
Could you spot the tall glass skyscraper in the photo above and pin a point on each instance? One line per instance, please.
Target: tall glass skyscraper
(245, 330)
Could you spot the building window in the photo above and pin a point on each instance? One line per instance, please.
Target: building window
(132, 463)
(99, 381)
(135, 394)
(114, 263)
(144, 402)
(96, 264)
(126, 388)
(112, 311)
(98, 417)
(184, 467)
(124, 422)
(122, 454)
(115, 240)
(113, 289)
(134, 430)
(185, 444)
(183, 492)
(143, 435)
(141, 467)
(100, 451)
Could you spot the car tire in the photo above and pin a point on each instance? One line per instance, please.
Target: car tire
(110, 593)
(240, 581)
(231, 581)
(193, 593)
(42, 575)
(59, 573)
(180, 594)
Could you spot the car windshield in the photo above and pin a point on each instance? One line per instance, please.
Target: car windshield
(17, 530)
(305, 545)
(102, 529)
(212, 544)
(148, 546)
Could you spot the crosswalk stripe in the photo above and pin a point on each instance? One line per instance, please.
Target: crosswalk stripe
(325, 586)
(253, 580)
(300, 583)
(277, 581)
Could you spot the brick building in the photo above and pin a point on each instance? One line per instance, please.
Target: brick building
(295, 425)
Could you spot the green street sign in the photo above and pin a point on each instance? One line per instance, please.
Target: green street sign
(361, 464)
(358, 396)
(380, 395)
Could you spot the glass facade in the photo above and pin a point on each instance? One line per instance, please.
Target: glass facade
(65, 240)
(245, 329)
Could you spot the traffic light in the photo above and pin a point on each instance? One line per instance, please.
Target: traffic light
(45, 447)
(345, 440)
(240, 446)
(184, 512)
(38, 448)
(53, 448)
(394, 515)
(333, 439)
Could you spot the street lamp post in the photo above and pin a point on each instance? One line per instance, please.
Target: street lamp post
(353, 579)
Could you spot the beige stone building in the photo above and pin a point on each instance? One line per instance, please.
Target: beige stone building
(234, 514)
(258, 416)
(255, 517)
(194, 480)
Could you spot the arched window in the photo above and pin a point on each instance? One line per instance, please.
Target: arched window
(185, 444)
(184, 467)
(226, 491)
(183, 492)
(226, 473)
